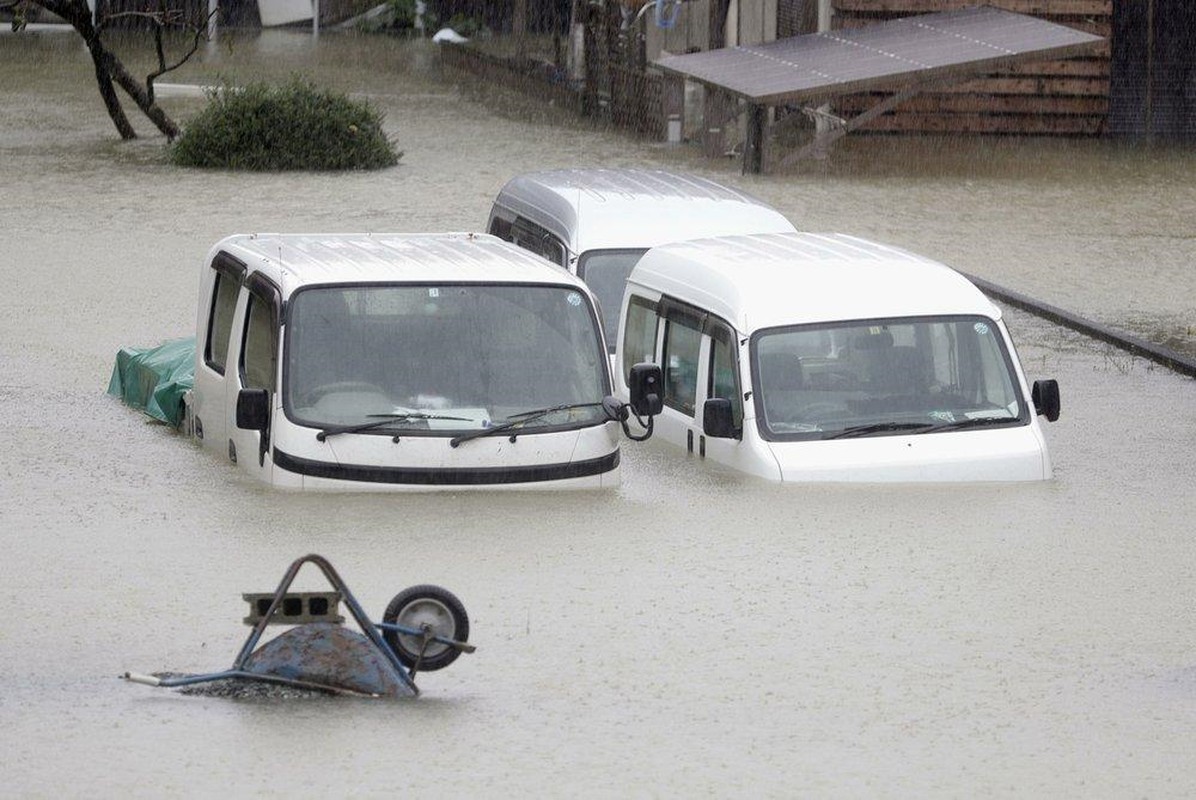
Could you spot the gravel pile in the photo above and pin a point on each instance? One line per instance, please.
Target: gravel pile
(238, 689)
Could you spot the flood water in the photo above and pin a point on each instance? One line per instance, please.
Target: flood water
(693, 633)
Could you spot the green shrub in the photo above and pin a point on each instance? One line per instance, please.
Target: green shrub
(296, 126)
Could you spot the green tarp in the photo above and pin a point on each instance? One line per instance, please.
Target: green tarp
(154, 379)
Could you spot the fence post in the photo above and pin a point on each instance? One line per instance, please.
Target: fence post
(673, 108)
(716, 115)
(753, 145)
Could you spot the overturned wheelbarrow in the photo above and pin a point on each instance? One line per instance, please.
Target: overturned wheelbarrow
(423, 629)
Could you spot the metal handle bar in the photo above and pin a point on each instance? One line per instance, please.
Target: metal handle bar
(464, 647)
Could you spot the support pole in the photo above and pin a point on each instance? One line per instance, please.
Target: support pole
(716, 107)
(673, 106)
(824, 25)
(753, 145)
(577, 44)
(716, 114)
(519, 28)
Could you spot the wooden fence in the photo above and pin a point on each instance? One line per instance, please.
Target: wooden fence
(1061, 97)
(523, 76)
(618, 85)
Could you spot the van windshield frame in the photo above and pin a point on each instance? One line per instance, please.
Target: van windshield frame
(884, 377)
(442, 359)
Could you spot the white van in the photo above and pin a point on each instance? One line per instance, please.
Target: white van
(598, 222)
(810, 357)
(400, 362)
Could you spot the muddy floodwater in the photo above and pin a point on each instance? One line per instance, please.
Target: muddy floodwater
(691, 634)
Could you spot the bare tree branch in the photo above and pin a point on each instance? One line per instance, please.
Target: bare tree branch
(110, 72)
(198, 35)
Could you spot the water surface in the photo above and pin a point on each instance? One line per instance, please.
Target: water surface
(694, 632)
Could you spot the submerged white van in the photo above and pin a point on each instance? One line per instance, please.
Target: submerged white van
(401, 362)
(812, 357)
(598, 222)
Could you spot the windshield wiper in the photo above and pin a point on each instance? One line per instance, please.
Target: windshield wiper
(880, 427)
(387, 419)
(974, 422)
(522, 418)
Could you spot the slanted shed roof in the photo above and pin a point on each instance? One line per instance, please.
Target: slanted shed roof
(888, 55)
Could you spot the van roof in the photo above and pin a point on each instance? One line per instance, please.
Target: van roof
(298, 259)
(632, 208)
(763, 281)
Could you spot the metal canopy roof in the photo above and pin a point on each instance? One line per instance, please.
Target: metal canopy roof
(883, 56)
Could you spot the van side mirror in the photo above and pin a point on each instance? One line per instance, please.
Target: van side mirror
(644, 384)
(718, 422)
(1045, 395)
(253, 409)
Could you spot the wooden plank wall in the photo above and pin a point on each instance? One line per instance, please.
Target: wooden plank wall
(1067, 97)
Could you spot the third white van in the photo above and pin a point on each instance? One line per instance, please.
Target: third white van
(598, 222)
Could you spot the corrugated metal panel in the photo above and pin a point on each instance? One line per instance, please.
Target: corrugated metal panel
(886, 55)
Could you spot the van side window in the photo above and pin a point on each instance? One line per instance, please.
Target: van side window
(724, 374)
(259, 349)
(220, 320)
(639, 339)
(682, 343)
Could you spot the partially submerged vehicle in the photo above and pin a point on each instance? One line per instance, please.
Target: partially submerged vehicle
(401, 361)
(812, 357)
(598, 222)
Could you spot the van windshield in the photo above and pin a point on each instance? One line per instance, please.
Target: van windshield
(442, 359)
(883, 377)
(606, 272)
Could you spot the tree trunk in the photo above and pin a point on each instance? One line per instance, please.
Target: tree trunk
(109, 69)
(141, 97)
(108, 91)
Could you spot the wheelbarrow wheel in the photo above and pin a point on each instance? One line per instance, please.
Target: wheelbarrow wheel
(431, 606)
